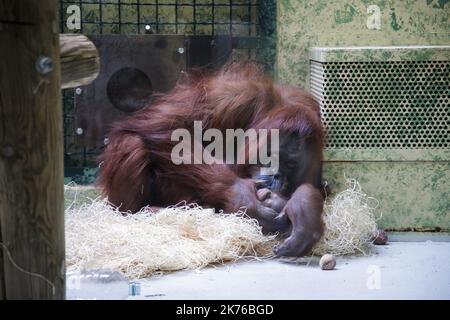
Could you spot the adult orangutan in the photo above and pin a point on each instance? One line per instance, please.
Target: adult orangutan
(136, 167)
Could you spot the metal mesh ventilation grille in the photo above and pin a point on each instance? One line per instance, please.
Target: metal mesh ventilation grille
(395, 104)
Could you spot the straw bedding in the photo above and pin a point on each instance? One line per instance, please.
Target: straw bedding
(187, 236)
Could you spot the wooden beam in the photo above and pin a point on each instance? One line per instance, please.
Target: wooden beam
(2, 271)
(80, 63)
(32, 263)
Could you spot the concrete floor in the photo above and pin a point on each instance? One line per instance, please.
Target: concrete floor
(410, 268)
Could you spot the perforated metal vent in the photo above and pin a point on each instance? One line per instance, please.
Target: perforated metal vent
(388, 104)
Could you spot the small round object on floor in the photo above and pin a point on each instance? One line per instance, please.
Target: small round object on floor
(380, 237)
(327, 262)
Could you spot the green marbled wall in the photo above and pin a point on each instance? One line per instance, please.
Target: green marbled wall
(331, 23)
(412, 186)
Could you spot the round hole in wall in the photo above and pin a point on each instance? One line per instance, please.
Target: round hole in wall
(129, 89)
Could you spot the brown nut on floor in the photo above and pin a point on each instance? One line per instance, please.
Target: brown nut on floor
(327, 262)
(380, 237)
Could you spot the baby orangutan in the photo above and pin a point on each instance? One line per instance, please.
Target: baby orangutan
(271, 199)
(299, 207)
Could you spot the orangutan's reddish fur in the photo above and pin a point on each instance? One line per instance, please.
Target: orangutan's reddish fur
(136, 167)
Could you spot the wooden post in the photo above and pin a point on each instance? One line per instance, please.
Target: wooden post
(32, 262)
(80, 63)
